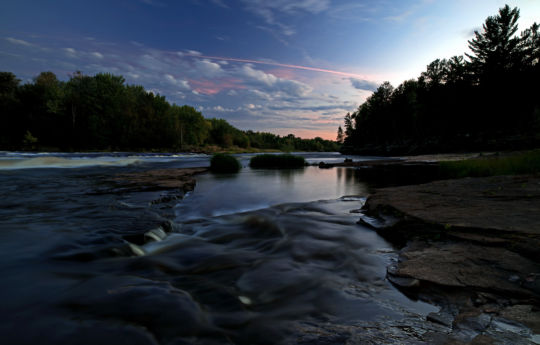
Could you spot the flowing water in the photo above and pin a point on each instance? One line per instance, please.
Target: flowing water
(259, 257)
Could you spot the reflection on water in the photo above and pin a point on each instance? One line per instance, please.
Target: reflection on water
(260, 188)
(251, 258)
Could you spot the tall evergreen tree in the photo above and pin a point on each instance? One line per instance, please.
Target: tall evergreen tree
(348, 125)
(488, 102)
(339, 137)
(495, 48)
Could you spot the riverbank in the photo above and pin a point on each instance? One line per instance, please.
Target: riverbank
(470, 246)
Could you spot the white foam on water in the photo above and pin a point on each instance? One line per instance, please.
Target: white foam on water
(59, 162)
(226, 212)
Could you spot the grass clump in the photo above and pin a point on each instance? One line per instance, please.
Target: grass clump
(523, 163)
(284, 161)
(222, 163)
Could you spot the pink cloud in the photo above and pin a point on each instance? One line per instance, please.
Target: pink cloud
(282, 73)
(212, 87)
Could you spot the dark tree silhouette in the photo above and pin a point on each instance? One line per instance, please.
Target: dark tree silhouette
(9, 122)
(487, 101)
(496, 50)
(101, 112)
(340, 135)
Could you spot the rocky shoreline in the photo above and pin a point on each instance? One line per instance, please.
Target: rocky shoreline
(470, 246)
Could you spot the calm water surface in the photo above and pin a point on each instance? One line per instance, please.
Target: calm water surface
(250, 258)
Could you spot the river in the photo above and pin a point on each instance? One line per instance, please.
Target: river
(258, 257)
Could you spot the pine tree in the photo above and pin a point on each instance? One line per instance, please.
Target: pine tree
(340, 138)
(348, 125)
(495, 50)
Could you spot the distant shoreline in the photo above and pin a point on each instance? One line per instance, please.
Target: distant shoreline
(209, 150)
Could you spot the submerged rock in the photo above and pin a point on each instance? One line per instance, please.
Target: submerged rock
(323, 165)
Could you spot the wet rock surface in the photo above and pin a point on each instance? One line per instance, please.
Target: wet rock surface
(470, 246)
(503, 203)
(165, 185)
(182, 178)
(467, 265)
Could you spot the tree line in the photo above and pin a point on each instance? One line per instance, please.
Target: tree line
(488, 99)
(102, 112)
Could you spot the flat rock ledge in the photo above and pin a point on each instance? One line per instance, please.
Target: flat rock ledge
(181, 178)
(176, 182)
(471, 246)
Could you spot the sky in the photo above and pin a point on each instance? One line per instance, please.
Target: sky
(280, 66)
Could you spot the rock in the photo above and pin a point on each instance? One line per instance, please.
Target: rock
(471, 246)
(464, 265)
(165, 199)
(383, 222)
(323, 165)
(483, 340)
(473, 321)
(441, 318)
(162, 179)
(404, 282)
(525, 314)
(502, 204)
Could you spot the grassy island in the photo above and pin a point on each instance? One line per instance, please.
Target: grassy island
(223, 163)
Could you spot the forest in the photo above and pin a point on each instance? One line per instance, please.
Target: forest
(102, 112)
(488, 99)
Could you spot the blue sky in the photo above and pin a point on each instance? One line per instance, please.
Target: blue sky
(283, 66)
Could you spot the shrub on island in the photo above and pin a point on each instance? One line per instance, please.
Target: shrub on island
(283, 161)
(222, 163)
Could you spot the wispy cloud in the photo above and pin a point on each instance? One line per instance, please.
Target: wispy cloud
(317, 108)
(220, 3)
(182, 84)
(273, 11)
(268, 9)
(362, 84)
(352, 11)
(212, 87)
(18, 42)
(97, 55)
(71, 52)
(400, 16)
(208, 68)
(275, 84)
(270, 63)
(155, 3)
